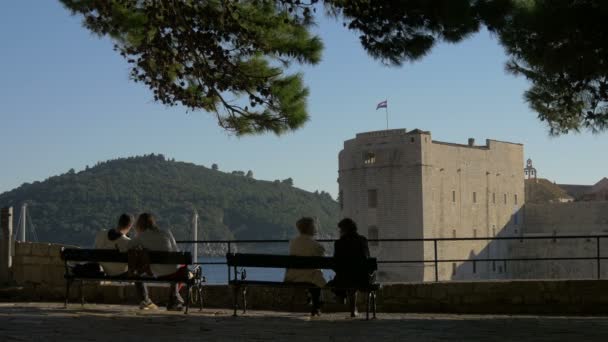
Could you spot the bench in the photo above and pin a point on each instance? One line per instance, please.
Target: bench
(239, 282)
(136, 260)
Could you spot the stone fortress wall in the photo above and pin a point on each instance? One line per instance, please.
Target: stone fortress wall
(380, 182)
(400, 184)
(570, 218)
(471, 191)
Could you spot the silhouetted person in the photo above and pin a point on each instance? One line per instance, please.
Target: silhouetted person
(305, 245)
(117, 239)
(350, 250)
(152, 238)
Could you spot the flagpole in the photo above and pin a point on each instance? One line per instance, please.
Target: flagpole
(386, 111)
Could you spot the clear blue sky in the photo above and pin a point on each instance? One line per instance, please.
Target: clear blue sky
(66, 102)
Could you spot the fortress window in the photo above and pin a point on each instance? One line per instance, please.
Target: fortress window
(474, 233)
(515, 199)
(493, 198)
(505, 198)
(453, 233)
(453, 268)
(474, 197)
(453, 196)
(369, 158)
(474, 267)
(341, 199)
(372, 198)
(412, 140)
(372, 234)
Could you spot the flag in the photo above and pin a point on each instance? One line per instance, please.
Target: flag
(382, 104)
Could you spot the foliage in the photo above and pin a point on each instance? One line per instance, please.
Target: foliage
(558, 45)
(72, 207)
(196, 53)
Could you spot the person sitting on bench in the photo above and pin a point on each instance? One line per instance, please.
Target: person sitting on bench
(115, 238)
(305, 245)
(152, 238)
(350, 251)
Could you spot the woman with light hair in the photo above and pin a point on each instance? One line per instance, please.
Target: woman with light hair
(151, 237)
(305, 245)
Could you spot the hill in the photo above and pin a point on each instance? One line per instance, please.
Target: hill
(72, 207)
(543, 191)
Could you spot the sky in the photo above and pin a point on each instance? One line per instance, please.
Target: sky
(66, 101)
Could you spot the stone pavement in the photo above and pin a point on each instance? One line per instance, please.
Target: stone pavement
(50, 322)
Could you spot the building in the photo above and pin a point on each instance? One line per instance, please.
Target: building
(596, 192)
(399, 184)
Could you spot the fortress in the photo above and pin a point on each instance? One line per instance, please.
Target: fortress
(398, 184)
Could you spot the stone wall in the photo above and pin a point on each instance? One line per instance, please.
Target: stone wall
(500, 297)
(558, 248)
(574, 218)
(393, 172)
(507, 297)
(471, 191)
(554, 297)
(38, 266)
(430, 189)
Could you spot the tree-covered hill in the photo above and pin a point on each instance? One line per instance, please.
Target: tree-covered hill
(71, 207)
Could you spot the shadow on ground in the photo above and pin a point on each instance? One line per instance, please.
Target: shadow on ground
(50, 322)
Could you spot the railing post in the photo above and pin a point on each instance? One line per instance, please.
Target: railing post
(598, 260)
(7, 244)
(228, 280)
(436, 262)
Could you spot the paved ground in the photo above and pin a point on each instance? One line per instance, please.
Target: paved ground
(50, 322)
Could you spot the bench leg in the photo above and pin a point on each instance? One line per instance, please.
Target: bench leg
(81, 293)
(374, 304)
(245, 300)
(187, 298)
(68, 284)
(367, 309)
(352, 302)
(235, 295)
(199, 290)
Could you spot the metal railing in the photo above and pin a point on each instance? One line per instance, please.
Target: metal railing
(436, 261)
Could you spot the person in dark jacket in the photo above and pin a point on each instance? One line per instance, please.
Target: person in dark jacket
(350, 250)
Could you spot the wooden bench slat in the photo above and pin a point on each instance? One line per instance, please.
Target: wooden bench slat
(112, 255)
(271, 283)
(126, 279)
(281, 284)
(298, 262)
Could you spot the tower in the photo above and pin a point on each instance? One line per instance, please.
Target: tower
(529, 170)
(403, 185)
